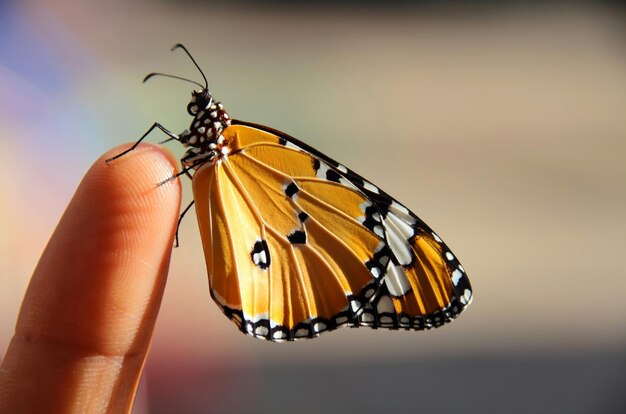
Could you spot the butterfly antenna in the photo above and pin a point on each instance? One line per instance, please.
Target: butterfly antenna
(180, 46)
(149, 75)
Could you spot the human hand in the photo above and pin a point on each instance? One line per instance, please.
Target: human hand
(87, 318)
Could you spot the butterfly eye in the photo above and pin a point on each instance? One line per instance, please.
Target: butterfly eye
(199, 100)
(194, 104)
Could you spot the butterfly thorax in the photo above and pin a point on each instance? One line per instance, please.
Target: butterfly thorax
(204, 135)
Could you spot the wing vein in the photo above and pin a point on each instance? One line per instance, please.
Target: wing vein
(228, 227)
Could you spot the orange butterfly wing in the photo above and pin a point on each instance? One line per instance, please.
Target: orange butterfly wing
(296, 244)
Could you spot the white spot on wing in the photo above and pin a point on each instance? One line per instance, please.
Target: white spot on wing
(386, 321)
(403, 227)
(321, 172)
(456, 276)
(367, 317)
(341, 320)
(398, 233)
(466, 299)
(378, 229)
(402, 212)
(369, 186)
(319, 327)
(346, 182)
(396, 280)
(342, 168)
(385, 305)
(279, 335)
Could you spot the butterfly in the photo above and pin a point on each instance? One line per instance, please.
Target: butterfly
(296, 244)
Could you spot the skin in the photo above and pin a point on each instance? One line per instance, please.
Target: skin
(86, 321)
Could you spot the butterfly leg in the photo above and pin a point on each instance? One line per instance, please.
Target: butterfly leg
(167, 180)
(171, 136)
(187, 166)
(180, 220)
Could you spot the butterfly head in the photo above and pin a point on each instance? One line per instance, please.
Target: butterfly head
(200, 100)
(204, 136)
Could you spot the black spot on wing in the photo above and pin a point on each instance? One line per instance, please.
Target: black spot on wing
(302, 216)
(316, 164)
(297, 237)
(260, 254)
(291, 189)
(332, 175)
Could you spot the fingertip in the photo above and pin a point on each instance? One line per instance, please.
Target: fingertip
(136, 183)
(110, 250)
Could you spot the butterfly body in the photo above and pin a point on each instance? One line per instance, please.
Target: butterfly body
(204, 135)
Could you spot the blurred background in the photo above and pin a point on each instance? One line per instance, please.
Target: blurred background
(501, 124)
